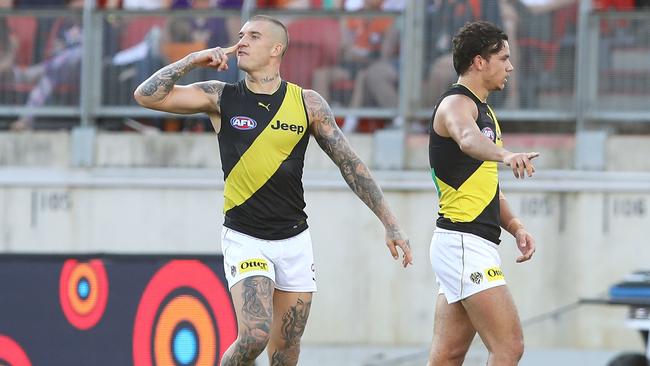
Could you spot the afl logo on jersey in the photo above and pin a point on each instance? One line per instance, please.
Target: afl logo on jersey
(243, 123)
(487, 131)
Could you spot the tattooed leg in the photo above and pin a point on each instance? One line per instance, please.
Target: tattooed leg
(253, 300)
(290, 313)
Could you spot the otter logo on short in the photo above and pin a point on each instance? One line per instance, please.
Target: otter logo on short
(476, 277)
(255, 264)
(494, 274)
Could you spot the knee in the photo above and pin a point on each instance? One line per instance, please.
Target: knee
(517, 349)
(252, 343)
(445, 355)
(510, 351)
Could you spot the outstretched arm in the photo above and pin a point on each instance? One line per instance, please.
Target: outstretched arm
(160, 91)
(525, 241)
(456, 118)
(356, 174)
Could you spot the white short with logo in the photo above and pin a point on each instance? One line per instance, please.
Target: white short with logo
(464, 264)
(288, 262)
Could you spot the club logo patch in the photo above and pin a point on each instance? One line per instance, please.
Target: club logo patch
(243, 123)
(476, 277)
(487, 131)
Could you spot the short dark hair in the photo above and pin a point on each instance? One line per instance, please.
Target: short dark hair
(266, 18)
(476, 38)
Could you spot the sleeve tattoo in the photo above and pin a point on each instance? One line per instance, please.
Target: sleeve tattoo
(354, 171)
(162, 82)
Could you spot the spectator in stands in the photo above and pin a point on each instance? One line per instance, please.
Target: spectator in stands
(203, 32)
(169, 39)
(60, 68)
(361, 45)
(444, 18)
(379, 82)
(8, 47)
(200, 32)
(546, 38)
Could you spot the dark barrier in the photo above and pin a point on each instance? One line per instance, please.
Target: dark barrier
(114, 310)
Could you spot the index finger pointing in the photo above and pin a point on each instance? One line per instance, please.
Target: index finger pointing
(530, 168)
(231, 49)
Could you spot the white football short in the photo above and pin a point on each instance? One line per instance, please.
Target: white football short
(464, 264)
(288, 262)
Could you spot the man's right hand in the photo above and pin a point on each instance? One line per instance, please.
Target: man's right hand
(216, 58)
(520, 163)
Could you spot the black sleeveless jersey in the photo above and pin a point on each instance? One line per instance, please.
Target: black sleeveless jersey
(262, 143)
(468, 189)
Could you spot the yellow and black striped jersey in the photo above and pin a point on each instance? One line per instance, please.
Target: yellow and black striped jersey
(262, 143)
(468, 189)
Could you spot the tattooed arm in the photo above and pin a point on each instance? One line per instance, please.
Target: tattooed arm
(356, 174)
(160, 92)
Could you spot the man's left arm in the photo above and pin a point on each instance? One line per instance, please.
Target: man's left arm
(356, 174)
(525, 241)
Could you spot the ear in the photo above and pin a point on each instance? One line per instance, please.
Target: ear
(277, 49)
(479, 62)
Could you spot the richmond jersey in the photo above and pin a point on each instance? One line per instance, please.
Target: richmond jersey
(468, 189)
(262, 142)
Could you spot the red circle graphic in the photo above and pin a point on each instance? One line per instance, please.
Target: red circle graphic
(83, 313)
(11, 352)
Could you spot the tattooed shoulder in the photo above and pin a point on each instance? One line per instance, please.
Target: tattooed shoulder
(317, 108)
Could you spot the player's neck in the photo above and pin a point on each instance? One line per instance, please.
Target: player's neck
(475, 87)
(263, 83)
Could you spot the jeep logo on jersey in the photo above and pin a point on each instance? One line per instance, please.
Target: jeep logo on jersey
(243, 123)
(288, 127)
(487, 131)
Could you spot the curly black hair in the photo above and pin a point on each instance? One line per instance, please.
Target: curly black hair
(476, 38)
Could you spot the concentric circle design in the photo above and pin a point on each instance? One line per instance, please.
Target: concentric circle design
(185, 344)
(83, 292)
(184, 317)
(11, 353)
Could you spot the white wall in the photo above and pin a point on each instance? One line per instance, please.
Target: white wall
(587, 238)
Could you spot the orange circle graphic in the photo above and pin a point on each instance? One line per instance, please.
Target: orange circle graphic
(82, 306)
(190, 309)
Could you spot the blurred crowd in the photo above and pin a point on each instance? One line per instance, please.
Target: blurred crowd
(354, 62)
